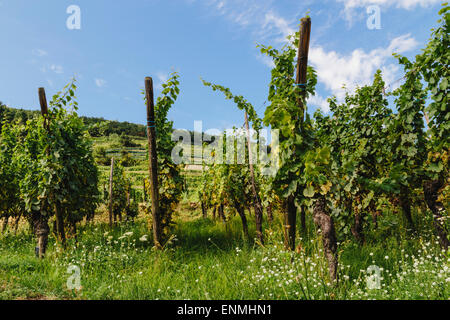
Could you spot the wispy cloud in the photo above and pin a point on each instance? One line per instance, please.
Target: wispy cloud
(257, 16)
(277, 25)
(56, 68)
(319, 102)
(162, 78)
(51, 67)
(39, 52)
(266, 60)
(100, 82)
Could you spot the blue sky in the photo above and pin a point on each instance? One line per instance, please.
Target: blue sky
(121, 42)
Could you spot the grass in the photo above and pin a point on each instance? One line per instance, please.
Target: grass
(207, 259)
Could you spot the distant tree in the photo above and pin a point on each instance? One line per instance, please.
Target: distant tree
(126, 141)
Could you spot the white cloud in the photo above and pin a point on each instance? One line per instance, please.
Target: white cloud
(100, 82)
(319, 102)
(357, 68)
(162, 77)
(39, 52)
(277, 25)
(56, 68)
(220, 5)
(259, 16)
(402, 44)
(266, 60)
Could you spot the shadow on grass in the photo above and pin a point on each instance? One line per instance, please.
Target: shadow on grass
(206, 235)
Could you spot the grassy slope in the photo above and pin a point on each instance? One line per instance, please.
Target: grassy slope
(209, 260)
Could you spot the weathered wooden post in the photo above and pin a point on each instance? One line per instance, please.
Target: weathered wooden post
(302, 72)
(153, 161)
(302, 62)
(39, 221)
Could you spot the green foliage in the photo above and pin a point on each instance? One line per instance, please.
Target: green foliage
(121, 186)
(357, 140)
(285, 114)
(101, 156)
(232, 181)
(241, 103)
(127, 160)
(53, 161)
(127, 142)
(10, 200)
(433, 66)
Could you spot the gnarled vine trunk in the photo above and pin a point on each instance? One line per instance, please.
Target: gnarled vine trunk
(222, 213)
(405, 204)
(240, 210)
(5, 224)
(204, 212)
(357, 228)
(41, 230)
(60, 224)
(325, 222)
(430, 189)
(290, 223)
(269, 214)
(16, 223)
(259, 221)
(303, 219)
(375, 219)
(73, 226)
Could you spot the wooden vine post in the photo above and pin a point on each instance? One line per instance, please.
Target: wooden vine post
(256, 200)
(58, 213)
(302, 63)
(153, 161)
(321, 213)
(111, 195)
(301, 79)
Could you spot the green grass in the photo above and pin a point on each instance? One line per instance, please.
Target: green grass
(210, 260)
